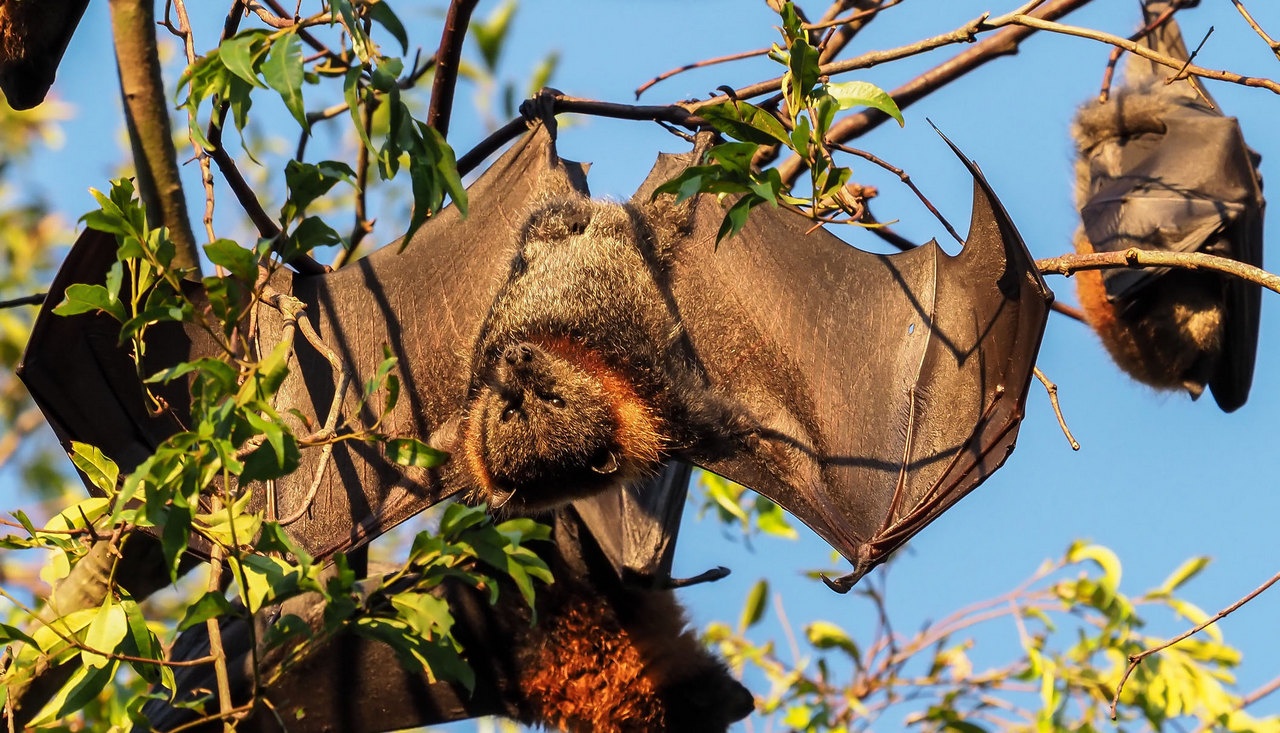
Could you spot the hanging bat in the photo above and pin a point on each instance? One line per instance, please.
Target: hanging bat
(1161, 168)
(602, 655)
(33, 36)
(562, 347)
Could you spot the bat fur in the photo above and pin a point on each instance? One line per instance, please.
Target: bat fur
(1171, 329)
(582, 378)
(605, 656)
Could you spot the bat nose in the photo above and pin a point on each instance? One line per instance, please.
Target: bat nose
(521, 353)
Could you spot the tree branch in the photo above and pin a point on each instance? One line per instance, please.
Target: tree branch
(1139, 258)
(1145, 52)
(1136, 659)
(446, 81)
(150, 135)
(1004, 43)
(1271, 42)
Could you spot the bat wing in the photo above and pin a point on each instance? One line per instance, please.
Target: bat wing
(886, 387)
(34, 39)
(424, 304)
(1166, 170)
(84, 381)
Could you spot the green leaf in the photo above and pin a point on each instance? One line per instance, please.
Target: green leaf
(864, 94)
(241, 53)
(802, 73)
(541, 75)
(380, 12)
(413, 452)
(283, 72)
(210, 605)
(826, 635)
(310, 233)
(100, 470)
(753, 610)
(105, 633)
(141, 642)
(10, 634)
(308, 182)
(492, 31)
(1103, 557)
(82, 298)
(240, 262)
(85, 685)
(1185, 572)
(736, 217)
(274, 539)
(745, 122)
(772, 520)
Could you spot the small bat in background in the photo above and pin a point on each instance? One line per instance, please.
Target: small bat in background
(1161, 168)
(562, 348)
(33, 36)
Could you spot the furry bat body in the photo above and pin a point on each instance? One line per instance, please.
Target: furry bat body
(1161, 168)
(582, 379)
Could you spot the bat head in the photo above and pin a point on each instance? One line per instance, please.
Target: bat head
(546, 428)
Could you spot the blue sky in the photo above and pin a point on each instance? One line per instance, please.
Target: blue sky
(1158, 478)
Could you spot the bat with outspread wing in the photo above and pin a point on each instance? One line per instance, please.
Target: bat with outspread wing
(885, 388)
(561, 348)
(1162, 168)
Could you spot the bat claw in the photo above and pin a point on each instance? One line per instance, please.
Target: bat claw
(717, 573)
(844, 583)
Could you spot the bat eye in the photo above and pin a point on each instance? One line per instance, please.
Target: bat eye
(508, 413)
(604, 462)
(555, 402)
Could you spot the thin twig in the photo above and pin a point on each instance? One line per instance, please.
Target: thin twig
(206, 171)
(699, 65)
(216, 650)
(1003, 43)
(902, 176)
(447, 56)
(1105, 92)
(33, 299)
(1069, 311)
(1271, 42)
(1052, 389)
(1136, 659)
(841, 35)
(362, 224)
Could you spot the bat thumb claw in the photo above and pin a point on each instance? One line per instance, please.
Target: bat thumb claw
(844, 583)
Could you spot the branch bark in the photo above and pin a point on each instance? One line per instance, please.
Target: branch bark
(1139, 258)
(146, 112)
(455, 30)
